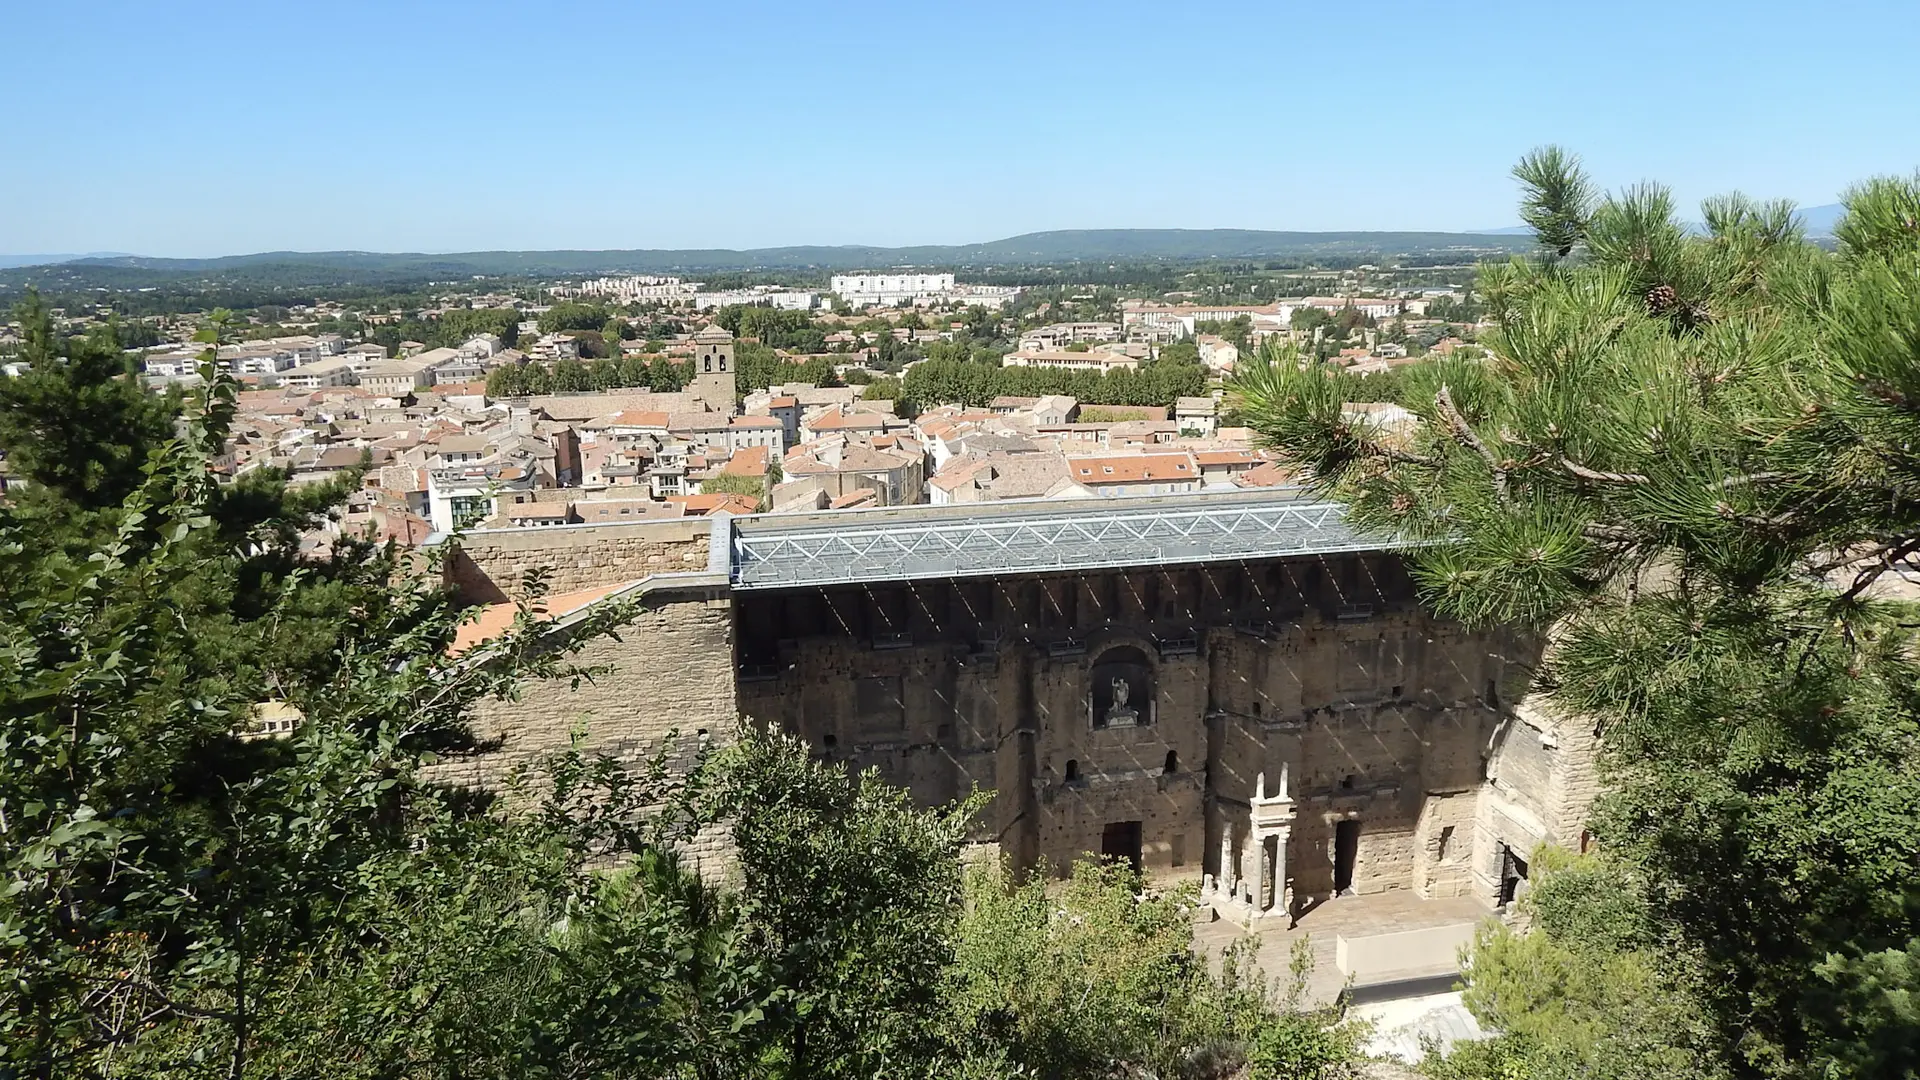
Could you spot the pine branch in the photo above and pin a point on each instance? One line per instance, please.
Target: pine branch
(1865, 578)
(1889, 394)
(1463, 433)
(1745, 479)
(1596, 475)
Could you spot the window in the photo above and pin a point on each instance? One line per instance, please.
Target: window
(1172, 764)
(1073, 771)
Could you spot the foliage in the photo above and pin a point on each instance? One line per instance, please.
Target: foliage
(1180, 352)
(658, 374)
(1090, 979)
(776, 328)
(757, 367)
(1238, 331)
(754, 487)
(1692, 456)
(1595, 989)
(569, 315)
(940, 382)
(52, 415)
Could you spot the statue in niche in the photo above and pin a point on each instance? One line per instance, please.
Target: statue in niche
(1119, 714)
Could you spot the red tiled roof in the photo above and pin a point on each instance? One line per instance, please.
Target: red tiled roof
(1130, 468)
(715, 502)
(495, 619)
(748, 461)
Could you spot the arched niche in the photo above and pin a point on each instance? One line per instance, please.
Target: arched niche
(1123, 691)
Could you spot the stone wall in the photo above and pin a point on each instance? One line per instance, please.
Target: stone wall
(1389, 727)
(1326, 669)
(488, 565)
(1540, 786)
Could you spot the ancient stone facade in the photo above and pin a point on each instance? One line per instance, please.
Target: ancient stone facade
(1135, 714)
(1289, 729)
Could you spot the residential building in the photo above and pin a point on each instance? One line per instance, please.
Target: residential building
(1217, 353)
(395, 378)
(459, 495)
(1195, 416)
(892, 466)
(1135, 474)
(1060, 335)
(333, 371)
(1100, 361)
(861, 290)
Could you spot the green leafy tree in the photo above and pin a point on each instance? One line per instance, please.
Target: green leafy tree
(1089, 978)
(1687, 456)
(570, 316)
(754, 487)
(52, 415)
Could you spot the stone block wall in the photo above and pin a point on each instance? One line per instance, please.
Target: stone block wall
(488, 566)
(671, 672)
(1540, 786)
(1380, 715)
(1326, 670)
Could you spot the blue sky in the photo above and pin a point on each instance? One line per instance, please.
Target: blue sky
(194, 129)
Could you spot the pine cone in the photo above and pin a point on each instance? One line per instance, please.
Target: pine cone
(1660, 299)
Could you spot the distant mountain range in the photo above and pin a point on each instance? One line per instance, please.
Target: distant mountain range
(1061, 247)
(9, 261)
(297, 269)
(1820, 220)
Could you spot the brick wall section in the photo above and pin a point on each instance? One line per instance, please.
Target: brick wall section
(488, 566)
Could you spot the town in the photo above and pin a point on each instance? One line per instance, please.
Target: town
(652, 397)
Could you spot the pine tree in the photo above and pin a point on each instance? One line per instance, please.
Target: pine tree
(1693, 459)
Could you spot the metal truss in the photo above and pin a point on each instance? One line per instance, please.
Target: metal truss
(1053, 537)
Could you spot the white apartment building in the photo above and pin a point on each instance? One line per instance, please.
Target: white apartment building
(637, 287)
(171, 365)
(784, 299)
(1101, 362)
(334, 371)
(461, 494)
(257, 361)
(863, 289)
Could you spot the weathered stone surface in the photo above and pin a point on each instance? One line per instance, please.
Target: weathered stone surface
(488, 566)
(1382, 716)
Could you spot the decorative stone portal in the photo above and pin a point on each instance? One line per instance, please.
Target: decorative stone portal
(1266, 890)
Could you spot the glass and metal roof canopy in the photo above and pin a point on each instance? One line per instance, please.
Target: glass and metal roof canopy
(913, 543)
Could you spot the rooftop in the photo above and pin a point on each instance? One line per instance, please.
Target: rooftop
(1018, 536)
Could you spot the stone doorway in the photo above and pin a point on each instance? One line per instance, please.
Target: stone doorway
(1513, 871)
(1346, 849)
(1120, 841)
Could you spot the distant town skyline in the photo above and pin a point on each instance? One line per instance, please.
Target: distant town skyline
(207, 129)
